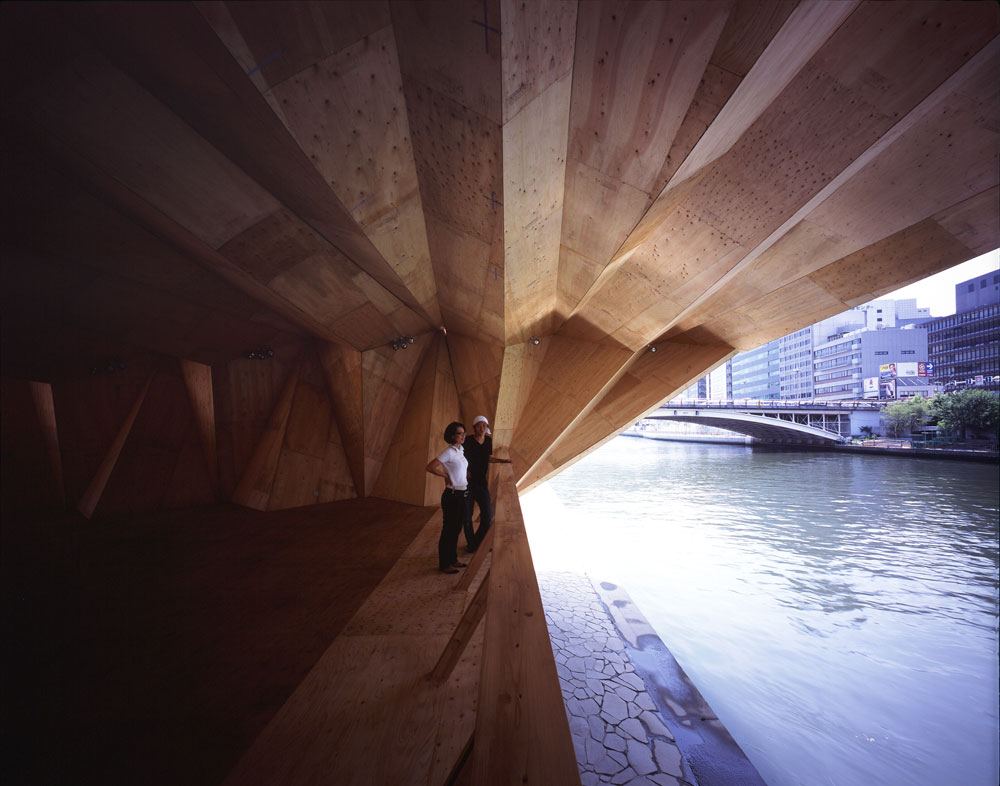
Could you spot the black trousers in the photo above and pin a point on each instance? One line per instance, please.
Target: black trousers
(480, 495)
(453, 514)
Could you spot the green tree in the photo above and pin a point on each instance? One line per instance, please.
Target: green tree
(904, 416)
(958, 412)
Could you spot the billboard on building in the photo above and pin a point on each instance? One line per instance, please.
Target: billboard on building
(871, 385)
(908, 369)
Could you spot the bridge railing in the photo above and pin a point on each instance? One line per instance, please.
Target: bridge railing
(751, 403)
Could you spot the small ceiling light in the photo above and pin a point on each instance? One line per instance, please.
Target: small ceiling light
(535, 341)
(652, 348)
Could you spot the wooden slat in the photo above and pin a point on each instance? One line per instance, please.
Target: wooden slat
(479, 558)
(522, 735)
(463, 633)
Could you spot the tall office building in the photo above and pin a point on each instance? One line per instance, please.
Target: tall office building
(965, 347)
(844, 361)
(795, 377)
(756, 374)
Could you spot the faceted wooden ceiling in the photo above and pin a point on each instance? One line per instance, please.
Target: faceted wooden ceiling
(199, 178)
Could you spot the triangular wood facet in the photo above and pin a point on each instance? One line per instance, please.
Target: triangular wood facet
(342, 368)
(198, 380)
(254, 488)
(477, 365)
(431, 405)
(386, 378)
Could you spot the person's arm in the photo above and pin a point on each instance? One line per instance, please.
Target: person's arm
(435, 467)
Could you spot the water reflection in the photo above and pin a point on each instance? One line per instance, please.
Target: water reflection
(839, 612)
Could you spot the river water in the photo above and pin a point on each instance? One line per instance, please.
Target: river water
(839, 612)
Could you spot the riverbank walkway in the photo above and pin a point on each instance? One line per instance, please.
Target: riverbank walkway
(635, 717)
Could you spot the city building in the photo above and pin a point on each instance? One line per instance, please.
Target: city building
(977, 292)
(795, 365)
(965, 347)
(756, 374)
(843, 363)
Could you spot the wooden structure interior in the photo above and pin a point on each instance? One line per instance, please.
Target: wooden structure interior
(225, 222)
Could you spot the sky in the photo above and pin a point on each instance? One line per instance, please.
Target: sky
(938, 291)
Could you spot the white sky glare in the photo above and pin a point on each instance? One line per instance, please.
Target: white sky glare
(938, 291)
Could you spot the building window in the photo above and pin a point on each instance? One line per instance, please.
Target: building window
(908, 352)
(972, 287)
(882, 352)
(982, 284)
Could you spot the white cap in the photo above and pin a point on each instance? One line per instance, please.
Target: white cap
(482, 419)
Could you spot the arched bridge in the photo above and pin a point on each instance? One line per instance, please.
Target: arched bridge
(789, 424)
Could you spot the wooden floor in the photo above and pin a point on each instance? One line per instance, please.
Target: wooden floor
(368, 714)
(155, 649)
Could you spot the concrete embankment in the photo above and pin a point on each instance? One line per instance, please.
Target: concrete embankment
(983, 456)
(635, 716)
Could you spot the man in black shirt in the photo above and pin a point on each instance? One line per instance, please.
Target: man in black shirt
(479, 453)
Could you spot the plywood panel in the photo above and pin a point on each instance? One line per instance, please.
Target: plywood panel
(245, 392)
(637, 67)
(230, 113)
(477, 367)
(98, 483)
(446, 47)
(198, 381)
(649, 380)
(149, 459)
(254, 488)
(386, 378)
(342, 368)
(457, 150)
(31, 470)
(432, 403)
(573, 373)
(347, 113)
(538, 51)
(521, 363)
(534, 150)
(522, 735)
(367, 714)
(279, 40)
(102, 113)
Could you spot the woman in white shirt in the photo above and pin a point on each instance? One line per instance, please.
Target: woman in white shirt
(453, 467)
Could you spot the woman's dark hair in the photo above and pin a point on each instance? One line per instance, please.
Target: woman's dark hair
(449, 433)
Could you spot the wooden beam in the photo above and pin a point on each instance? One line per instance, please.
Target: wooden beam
(254, 488)
(431, 405)
(41, 395)
(198, 380)
(648, 380)
(88, 502)
(166, 51)
(342, 367)
(522, 734)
